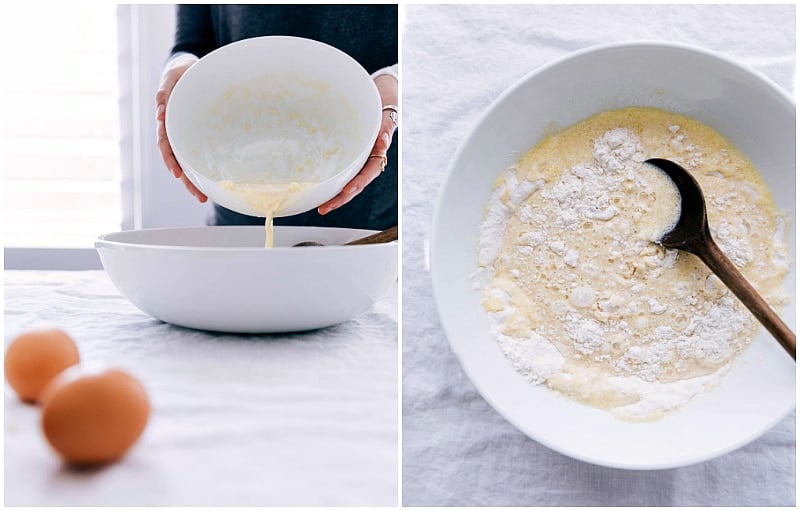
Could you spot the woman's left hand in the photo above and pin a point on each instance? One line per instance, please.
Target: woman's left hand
(387, 87)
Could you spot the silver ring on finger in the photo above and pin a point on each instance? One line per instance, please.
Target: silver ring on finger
(393, 113)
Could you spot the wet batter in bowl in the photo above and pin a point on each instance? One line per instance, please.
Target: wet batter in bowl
(578, 295)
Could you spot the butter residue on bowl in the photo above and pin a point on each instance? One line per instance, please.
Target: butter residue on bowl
(271, 140)
(580, 298)
(277, 129)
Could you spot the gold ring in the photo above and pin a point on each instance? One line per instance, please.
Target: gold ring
(382, 157)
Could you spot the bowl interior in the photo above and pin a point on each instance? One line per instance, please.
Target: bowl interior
(234, 237)
(272, 110)
(751, 112)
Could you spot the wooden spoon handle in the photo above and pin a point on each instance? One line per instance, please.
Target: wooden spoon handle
(386, 236)
(716, 260)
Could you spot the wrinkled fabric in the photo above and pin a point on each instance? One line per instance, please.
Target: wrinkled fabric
(457, 451)
(237, 420)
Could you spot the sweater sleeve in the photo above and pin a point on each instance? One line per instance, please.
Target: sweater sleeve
(194, 31)
(388, 70)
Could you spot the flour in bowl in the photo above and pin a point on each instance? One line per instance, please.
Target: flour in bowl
(578, 295)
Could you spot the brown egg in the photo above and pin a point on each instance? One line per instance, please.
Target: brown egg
(92, 418)
(36, 357)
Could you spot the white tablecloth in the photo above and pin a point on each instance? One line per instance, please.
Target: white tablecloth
(304, 419)
(456, 449)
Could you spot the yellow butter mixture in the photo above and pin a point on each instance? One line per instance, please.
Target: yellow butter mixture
(579, 296)
(267, 199)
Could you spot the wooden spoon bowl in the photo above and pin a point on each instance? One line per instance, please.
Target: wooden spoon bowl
(691, 234)
(384, 236)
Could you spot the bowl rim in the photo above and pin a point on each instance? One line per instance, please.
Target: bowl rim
(437, 234)
(451, 167)
(627, 45)
(105, 241)
(303, 41)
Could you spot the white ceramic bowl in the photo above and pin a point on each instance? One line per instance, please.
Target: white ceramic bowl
(273, 109)
(223, 279)
(751, 112)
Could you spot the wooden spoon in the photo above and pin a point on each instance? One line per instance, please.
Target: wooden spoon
(386, 236)
(691, 234)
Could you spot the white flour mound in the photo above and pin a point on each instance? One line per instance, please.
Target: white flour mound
(534, 356)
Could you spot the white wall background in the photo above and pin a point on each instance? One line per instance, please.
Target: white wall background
(156, 198)
(151, 196)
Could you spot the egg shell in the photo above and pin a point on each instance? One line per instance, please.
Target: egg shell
(94, 418)
(34, 358)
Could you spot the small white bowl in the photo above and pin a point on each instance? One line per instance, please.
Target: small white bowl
(223, 279)
(751, 112)
(273, 109)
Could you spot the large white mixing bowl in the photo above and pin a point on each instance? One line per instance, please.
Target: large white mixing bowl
(222, 278)
(751, 112)
(273, 109)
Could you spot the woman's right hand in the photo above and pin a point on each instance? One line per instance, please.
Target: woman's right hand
(172, 73)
